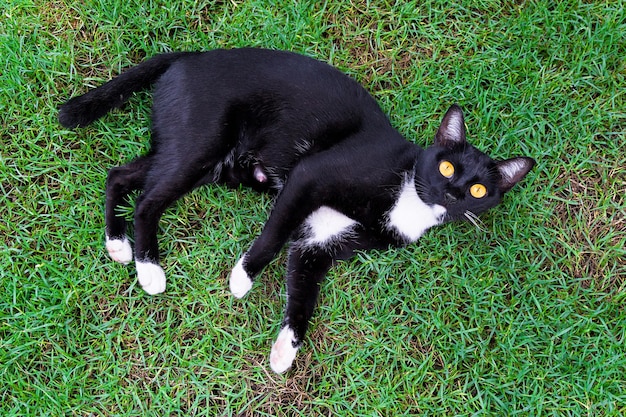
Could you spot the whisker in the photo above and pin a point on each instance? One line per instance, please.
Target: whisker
(420, 186)
(475, 220)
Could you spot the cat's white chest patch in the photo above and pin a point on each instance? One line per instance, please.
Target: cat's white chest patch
(325, 224)
(410, 217)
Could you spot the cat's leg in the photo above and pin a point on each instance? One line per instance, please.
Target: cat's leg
(325, 237)
(292, 206)
(180, 163)
(150, 206)
(121, 181)
(307, 267)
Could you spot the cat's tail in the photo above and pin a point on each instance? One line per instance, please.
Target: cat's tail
(82, 110)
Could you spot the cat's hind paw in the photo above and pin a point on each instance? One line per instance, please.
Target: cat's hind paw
(119, 250)
(283, 350)
(151, 277)
(239, 282)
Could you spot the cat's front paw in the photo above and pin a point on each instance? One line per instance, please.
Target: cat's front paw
(239, 282)
(119, 250)
(283, 350)
(151, 277)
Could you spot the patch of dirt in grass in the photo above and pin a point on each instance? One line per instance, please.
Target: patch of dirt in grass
(427, 350)
(299, 387)
(370, 52)
(590, 211)
(278, 393)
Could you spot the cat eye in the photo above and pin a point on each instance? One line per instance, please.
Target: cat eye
(446, 169)
(478, 191)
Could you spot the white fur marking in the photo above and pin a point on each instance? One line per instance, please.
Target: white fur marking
(510, 169)
(325, 224)
(151, 277)
(239, 282)
(283, 353)
(454, 127)
(119, 250)
(410, 216)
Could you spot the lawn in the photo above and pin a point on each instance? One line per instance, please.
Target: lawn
(524, 317)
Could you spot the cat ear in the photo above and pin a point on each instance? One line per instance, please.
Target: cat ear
(513, 170)
(452, 129)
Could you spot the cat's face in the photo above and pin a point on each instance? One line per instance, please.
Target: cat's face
(455, 175)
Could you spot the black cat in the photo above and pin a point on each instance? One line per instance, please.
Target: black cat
(281, 122)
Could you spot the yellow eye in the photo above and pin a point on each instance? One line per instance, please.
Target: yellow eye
(446, 169)
(478, 191)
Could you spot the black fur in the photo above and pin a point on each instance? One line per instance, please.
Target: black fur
(285, 123)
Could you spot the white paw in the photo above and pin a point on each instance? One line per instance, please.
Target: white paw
(239, 282)
(151, 277)
(119, 250)
(283, 353)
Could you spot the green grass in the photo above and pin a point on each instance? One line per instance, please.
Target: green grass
(524, 318)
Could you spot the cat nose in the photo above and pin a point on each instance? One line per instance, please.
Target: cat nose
(450, 198)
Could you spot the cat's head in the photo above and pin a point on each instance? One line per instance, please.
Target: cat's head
(454, 174)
